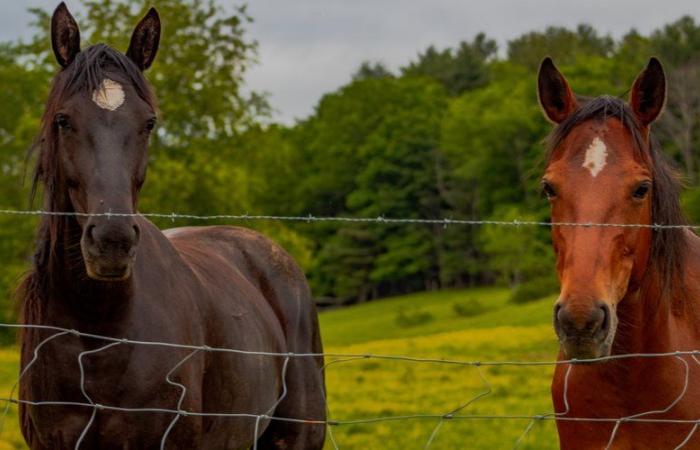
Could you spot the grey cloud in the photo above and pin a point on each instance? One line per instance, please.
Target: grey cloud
(309, 47)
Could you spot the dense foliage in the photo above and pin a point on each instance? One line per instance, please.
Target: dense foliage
(454, 133)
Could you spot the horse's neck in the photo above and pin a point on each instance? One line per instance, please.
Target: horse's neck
(643, 323)
(653, 320)
(76, 297)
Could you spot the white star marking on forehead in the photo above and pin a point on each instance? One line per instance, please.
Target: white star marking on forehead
(596, 156)
(109, 96)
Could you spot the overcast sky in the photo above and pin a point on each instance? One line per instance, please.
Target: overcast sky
(309, 47)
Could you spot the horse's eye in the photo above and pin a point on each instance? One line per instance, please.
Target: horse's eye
(642, 190)
(62, 122)
(548, 190)
(150, 124)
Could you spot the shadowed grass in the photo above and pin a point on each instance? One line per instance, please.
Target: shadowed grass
(11, 437)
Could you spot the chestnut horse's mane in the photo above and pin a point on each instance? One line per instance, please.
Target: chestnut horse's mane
(84, 74)
(669, 247)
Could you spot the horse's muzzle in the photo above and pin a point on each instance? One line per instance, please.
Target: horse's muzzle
(109, 248)
(585, 332)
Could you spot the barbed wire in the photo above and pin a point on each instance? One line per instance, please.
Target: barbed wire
(338, 358)
(346, 219)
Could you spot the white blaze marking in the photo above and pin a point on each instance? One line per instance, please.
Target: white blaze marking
(596, 156)
(110, 95)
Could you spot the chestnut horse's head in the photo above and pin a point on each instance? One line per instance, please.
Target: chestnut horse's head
(602, 168)
(94, 140)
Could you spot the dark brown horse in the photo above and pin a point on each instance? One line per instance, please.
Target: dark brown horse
(122, 277)
(623, 289)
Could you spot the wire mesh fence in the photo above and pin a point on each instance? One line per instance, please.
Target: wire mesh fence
(342, 358)
(686, 358)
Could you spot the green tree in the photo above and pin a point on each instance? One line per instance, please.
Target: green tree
(400, 180)
(678, 42)
(518, 254)
(368, 151)
(455, 133)
(458, 70)
(564, 45)
(372, 70)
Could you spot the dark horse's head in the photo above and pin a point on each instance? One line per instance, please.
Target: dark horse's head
(603, 167)
(93, 142)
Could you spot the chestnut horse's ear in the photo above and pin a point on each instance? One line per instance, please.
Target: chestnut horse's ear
(555, 96)
(648, 93)
(65, 35)
(144, 41)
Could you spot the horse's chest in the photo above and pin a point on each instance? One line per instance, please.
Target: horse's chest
(71, 370)
(654, 389)
(120, 376)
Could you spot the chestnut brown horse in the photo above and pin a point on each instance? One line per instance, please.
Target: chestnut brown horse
(623, 289)
(120, 276)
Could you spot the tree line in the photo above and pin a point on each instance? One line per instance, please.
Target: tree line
(454, 133)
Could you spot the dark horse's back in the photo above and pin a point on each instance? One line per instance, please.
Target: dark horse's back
(274, 274)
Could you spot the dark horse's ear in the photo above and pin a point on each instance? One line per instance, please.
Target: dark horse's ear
(65, 35)
(648, 93)
(556, 98)
(144, 41)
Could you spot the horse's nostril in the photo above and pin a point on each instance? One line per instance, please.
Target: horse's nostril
(557, 312)
(559, 317)
(90, 233)
(137, 234)
(605, 323)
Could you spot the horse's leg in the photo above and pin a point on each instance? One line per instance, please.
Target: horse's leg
(305, 400)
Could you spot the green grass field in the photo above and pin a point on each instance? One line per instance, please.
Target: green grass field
(478, 325)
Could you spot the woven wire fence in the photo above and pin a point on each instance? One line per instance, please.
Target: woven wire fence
(686, 358)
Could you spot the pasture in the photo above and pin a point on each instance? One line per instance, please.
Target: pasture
(477, 324)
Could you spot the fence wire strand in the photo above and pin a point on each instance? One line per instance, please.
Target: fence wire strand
(450, 414)
(95, 406)
(660, 411)
(24, 372)
(445, 221)
(540, 418)
(183, 393)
